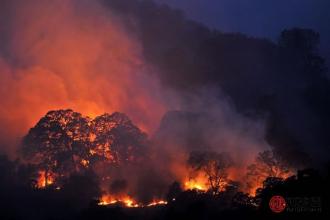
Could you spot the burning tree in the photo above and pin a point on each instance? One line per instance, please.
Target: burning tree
(64, 142)
(56, 143)
(267, 164)
(214, 166)
(117, 139)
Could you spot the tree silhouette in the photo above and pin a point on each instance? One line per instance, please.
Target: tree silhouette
(64, 142)
(57, 143)
(267, 164)
(214, 166)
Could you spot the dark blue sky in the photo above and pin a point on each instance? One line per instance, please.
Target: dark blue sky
(261, 18)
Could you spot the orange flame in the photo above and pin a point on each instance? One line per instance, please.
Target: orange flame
(197, 182)
(45, 179)
(159, 202)
(193, 184)
(127, 201)
(259, 183)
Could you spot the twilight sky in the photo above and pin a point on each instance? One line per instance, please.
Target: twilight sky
(261, 18)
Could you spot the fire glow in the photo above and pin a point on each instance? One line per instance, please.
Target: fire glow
(45, 179)
(110, 200)
(196, 184)
(73, 67)
(127, 201)
(118, 163)
(98, 69)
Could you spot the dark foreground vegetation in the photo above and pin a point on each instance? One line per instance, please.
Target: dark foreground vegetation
(306, 194)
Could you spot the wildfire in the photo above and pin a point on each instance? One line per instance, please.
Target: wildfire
(155, 203)
(259, 184)
(193, 184)
(85, 163)
(198, 182)
(44, 179)
(127, 201)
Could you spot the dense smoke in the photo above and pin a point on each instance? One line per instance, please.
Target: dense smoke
(209, 125)
(79, 55)
(70, 54)
(283, 81)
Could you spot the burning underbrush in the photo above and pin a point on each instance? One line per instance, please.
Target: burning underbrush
(127, 201)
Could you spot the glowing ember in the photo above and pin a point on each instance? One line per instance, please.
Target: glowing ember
(155, 203)
(92, 152)
(92, 137)
(85, 163)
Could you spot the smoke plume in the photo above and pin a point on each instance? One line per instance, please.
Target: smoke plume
(70, 54)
